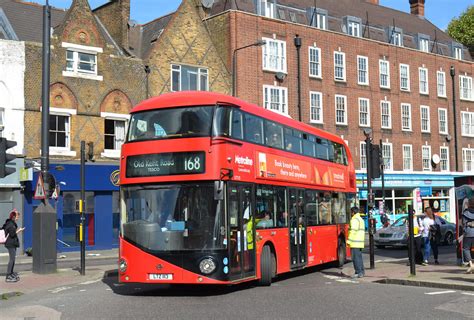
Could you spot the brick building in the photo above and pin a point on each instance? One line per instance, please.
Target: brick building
(362, 66)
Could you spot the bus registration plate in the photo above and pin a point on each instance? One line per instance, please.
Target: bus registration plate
(160, 276)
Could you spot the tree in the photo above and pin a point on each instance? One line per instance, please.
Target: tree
(462, 29)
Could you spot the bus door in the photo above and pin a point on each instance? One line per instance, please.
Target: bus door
(241, 230)
(297, 225)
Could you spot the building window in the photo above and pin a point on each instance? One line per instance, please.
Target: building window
(404, 77)
(407, 157)
(443, 120)
(465, 88)
(363, 157)
(315, 62)
(268, 8)
(441, 77)
(364, 112)
(185, 78)
(387, 156)
(386, 112)
(467, 159)
(339, 66)
(423, 80)
(275, 99)
(425, 118)
(363, 70)
(292, 16)
(274, 55)
(384, 72)
(341, 110)
(114, 134)
(81, 61)
(59, 131)
(397, 39)
(281, 14)
(353, 28)
(424, 44)
(426, 157)
(406, 117)
(467, 123)
(457, 51)
(316, 107)
(317, 17)
(444, 157)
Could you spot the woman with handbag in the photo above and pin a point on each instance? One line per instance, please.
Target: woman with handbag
(12, 243)
(468, 239)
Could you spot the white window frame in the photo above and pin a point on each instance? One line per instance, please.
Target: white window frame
(441, 83)
(425, 121)
(397, 39)
(426, 158)
(407, 159)
(339, 97)
(386, 74)
(444, 158)
(467, 124)
(468, 159)
(63, 151)
(282, 96)
(423, 80)
(274, 61)
(443, 120)
(406, 115)
(466, 91)
(321, 21)
(338, 66)
(363, 156)
(313, 108)
(386, 106)
(457, 53)
(363, 70)
(200, 73)
(315, 64)
(365, 101)
(75, 72)
(114, 153)
(424, 44)
(268, 8)
(406, 77)
(353, 28)
(387, 161)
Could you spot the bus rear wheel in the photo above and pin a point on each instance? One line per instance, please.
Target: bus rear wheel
(341, 253)
(266, 267)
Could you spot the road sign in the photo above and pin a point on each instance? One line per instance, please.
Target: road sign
(55, 194)
(39, 194)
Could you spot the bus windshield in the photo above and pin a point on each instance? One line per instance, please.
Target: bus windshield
(171, 123)
(173, 217)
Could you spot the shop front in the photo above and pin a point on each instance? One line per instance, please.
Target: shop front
(101, 206)
(417, 190)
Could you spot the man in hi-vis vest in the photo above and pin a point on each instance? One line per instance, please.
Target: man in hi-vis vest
(356, 241)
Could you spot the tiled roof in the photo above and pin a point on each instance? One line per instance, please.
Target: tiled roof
(378, 17)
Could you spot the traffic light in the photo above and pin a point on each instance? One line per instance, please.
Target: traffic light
(375, 161)
(5, 158)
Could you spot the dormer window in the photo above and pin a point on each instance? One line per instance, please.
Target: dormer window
(267, 9)
(456, 50)
(395, 36)
(423, 42)
(317, 17)
(81, 61)
(352, 26)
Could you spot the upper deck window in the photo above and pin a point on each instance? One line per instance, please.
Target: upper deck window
(171, 123)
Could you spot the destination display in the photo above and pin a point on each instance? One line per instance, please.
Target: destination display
(162, 164)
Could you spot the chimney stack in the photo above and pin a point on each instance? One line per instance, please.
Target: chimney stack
(417, 7)
(373, 1)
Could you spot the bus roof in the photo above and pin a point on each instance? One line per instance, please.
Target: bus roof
(201, 98)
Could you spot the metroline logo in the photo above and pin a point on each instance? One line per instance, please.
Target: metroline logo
(245, 161)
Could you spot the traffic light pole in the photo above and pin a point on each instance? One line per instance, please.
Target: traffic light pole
(82, 229)
(368, 145)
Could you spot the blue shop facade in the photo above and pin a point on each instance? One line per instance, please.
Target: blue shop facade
(101, 206)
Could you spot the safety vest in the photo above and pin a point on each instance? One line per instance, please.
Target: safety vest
(356, 232)
(249, 231)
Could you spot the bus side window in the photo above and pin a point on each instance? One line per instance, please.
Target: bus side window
(273, 135)
(324, 208)
(322, 150)
(311, 208)
(253, 129)
(308, 145)
(237, 125)
(293, 140)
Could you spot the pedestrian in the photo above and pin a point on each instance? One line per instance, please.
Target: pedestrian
(11, 230)
(427, 223)
(356, 241)
(468, 239)
(384, 218)
(435, 237)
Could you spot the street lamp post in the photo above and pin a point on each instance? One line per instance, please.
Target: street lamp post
(452, 72)
(370, 195)
(234, 62)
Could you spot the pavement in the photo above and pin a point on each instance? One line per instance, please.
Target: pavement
(100, 264)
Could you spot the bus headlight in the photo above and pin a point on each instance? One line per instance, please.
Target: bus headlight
(207, 265)
(122, 266)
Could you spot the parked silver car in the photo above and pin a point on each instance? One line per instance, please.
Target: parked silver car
(396, 235)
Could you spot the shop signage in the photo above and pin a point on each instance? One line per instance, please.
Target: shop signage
(161, 164)
(115, 178)
(426, 191)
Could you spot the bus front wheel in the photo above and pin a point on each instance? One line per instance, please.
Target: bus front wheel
(341, 253)
(266, 267)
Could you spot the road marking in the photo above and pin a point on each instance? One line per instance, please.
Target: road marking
(108, 289)
(59, 289)
(339, 279)
(439, 292)
(468, 293)
(82, 290)
(91, 281)
(391, 260)
(331, 277)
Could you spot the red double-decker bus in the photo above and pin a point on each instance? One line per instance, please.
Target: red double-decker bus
(215, 190)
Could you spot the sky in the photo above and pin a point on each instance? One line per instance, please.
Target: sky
(439, 12)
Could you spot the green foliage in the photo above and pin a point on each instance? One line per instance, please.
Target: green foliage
(462, 29)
